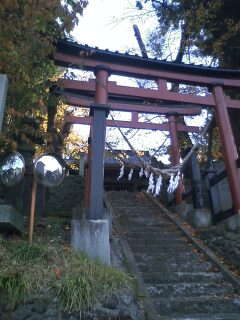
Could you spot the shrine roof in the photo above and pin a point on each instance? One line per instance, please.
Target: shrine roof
(130, 159)
(128, 156)
(105, 56)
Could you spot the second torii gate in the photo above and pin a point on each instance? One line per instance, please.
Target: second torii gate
(107, 95)
(169, 110)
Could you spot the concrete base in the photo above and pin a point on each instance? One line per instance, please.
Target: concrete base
(200, 218)
(92, 238)
(80, 213)
(233, 223)
(10, 219)
(183, 210)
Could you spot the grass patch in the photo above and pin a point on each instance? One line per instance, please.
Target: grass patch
(33, 271)
(82, 281)
(32, 253)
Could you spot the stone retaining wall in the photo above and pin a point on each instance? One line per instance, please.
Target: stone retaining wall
(61, 199)
(224, 243)
(119, 306)
(69, 194)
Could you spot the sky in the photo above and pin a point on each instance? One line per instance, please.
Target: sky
(107, 24)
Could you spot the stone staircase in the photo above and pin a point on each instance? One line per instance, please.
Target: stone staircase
(182, 282)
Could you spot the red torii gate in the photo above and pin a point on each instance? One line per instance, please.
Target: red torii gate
(170, 110)
(107, 95)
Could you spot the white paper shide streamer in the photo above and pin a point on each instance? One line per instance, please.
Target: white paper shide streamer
(130, 175)
(173, 183)
(121, 172)
(141, 173)
(146, 172)
(151, 185)
(158, 186)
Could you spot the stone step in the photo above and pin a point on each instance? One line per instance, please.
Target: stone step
(144, 212)
(191, 305)
(157, 234)
(161, 248)
(181, 277)
(180, 280)
(174, 267)
(169, 257)
(205, 316)
(189, 290)
(143, 223)
(148, 229)
(157, 241)
(126, 203)
(142, 219)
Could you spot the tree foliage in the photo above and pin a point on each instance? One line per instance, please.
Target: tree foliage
(201, 31)
(205, 27)
(28, 30)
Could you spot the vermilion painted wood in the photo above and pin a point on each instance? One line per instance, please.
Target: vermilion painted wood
(125, 91)
(117, 106)
(134, 117)
(133, 125)
(173, 131)
(89, 64)
(148, 93)
(228, 145)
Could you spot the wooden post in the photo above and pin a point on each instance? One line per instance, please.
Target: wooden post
(175, 153)
(88, 173)
(228, 145)
(99, 111)
(3, 95)
(32, 213)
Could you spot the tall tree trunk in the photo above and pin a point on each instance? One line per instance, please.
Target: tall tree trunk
(183, 136)
(56, 139)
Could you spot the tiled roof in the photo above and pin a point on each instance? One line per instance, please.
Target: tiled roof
(128, 156)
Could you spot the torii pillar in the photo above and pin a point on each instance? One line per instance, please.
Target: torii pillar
(92, 235)
(3, 95)
(228, 145)
(175, 154)
(99, 111)
(173, 132)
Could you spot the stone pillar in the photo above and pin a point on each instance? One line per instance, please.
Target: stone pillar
(196, 182)
(82, 160)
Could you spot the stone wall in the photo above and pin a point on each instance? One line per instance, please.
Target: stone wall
(69, 194)
(225, 198)
(121, 305)
(58, 200)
